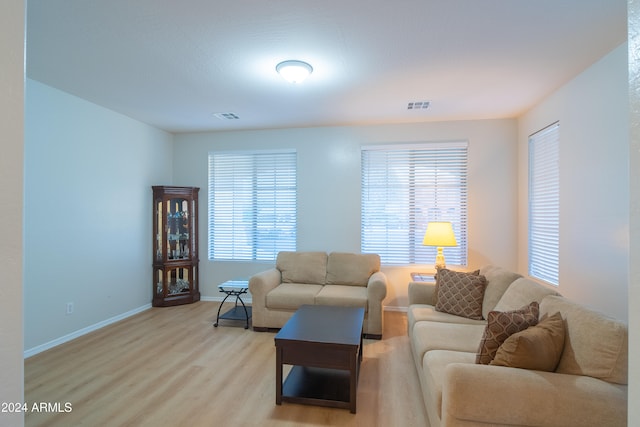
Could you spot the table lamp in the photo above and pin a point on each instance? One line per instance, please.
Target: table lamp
(439, 234)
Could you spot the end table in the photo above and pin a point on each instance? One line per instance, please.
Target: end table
(234, 288)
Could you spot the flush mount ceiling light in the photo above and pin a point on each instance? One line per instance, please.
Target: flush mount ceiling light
(227, 116)
(294, 71)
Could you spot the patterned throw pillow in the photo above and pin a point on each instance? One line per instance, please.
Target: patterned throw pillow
(435, 276)
(501, 325)
(538, 347)
(460, 293)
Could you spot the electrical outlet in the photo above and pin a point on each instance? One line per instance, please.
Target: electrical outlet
(69, 308)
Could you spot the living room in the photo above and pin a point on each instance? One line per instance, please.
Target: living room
(328, 186)
(97, 195)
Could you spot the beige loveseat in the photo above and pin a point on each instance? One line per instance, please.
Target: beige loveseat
(318, 278)
(585, 385)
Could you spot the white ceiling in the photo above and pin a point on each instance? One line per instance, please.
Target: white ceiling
(173, 64)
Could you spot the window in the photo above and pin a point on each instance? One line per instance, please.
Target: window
(252, 204)
(405, 187)
(544, 204)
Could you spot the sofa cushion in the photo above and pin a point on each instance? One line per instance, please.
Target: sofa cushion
(502, 324)
(595, 345)
(302, 267)
(428, 336)
(521, 292)
(344, 296)
(290, 296)
(420, 312)
(351, 269)
(498, 280)
(538, 347)
(460, 293)
(492, 396)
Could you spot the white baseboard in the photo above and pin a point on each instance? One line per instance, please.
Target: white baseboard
(53, 343)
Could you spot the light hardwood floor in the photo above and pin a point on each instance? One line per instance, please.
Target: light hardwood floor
(171, 367)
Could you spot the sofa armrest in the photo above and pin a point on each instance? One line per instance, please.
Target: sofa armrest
(422, 293)
(376, 292)
(474, 394)
(377, 287)
(260, 284)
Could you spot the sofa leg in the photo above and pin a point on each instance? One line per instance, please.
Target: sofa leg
(373, 336)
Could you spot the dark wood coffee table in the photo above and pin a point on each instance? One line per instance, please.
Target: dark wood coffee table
(324, 345)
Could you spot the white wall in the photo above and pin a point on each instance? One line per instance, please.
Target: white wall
(87, 229)
(594, 183)
(329, 188)
(12, 16)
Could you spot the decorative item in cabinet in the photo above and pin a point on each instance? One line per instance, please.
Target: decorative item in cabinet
(175, 245)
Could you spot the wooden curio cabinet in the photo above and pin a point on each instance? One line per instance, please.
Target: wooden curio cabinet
(175, 246)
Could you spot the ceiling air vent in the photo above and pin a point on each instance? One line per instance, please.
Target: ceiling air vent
(227, 116)
(420, 105)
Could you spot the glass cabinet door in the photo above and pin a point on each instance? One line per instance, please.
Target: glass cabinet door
(177, 243)
(178, 280)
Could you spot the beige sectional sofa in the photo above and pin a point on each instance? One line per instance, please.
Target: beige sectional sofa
(585, 385)
(318, 278)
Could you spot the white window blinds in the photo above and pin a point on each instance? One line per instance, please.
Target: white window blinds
(544, 204)
(252, 204)
(405, 187)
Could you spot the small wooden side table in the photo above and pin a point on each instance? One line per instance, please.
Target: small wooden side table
(234, 288)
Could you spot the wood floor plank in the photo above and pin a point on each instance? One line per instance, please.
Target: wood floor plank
(170, 367)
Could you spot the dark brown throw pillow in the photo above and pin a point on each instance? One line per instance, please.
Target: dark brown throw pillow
(501, 325)
(460, 293)
(538, 347)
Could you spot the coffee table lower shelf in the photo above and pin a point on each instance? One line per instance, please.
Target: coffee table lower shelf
(317, 386)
